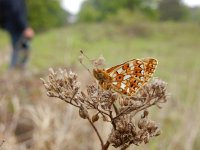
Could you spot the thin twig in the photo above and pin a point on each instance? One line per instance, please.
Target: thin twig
(105, 147)
(71, 103)
(112, 120)
(2, 142)
(115, 108)
(102, 112)
(122, 112)
(73, 95)
(97, 132)
(147, 106)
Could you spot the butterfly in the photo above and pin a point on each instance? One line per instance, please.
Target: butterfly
(128, 77)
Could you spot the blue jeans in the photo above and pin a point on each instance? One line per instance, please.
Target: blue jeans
(20, 52)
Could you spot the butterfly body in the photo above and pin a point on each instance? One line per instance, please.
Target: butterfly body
(105, 81)
(126, 78)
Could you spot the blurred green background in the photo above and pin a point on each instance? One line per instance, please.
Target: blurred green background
(120, 30)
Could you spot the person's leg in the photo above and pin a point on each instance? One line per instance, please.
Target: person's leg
(24, 52)
(15, 39)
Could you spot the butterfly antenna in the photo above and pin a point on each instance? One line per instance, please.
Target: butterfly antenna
(85, 56)
(81, 61)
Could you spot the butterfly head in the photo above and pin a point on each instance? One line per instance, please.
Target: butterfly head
(102, 76)
(99, 74)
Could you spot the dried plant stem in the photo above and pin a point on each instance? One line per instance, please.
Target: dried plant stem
(72, 104)
(105, 147)
(100, 111)
(147, 106)
(115, 108)
(69, 102)
(104, 114)
(2, 143)
(97, 132)
(121, 113)
(72, 98)
(112, 120)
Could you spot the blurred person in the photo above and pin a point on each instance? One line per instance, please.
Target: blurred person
(13, 18)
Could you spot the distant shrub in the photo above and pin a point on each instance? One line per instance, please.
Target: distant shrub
(89, 14)
(195, 14)
(45, 14)
(172, 10)
(128, 17)
(101, 10)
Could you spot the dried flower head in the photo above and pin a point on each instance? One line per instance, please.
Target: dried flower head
(120, 111)
(99, 62)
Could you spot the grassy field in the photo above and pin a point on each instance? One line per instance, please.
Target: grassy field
(175, 45)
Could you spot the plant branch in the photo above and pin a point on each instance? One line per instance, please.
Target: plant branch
(97, 132)
(101, 112)
(112, 120)
(147, 106)
(71, 103)
(115, 108)
(2, 143)
(105, 147)
(122, 112)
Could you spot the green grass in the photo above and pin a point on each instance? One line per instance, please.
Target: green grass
(163, 41)
(175, 45)
(4, 40)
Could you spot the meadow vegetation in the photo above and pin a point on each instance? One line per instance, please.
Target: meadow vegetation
(30, 119)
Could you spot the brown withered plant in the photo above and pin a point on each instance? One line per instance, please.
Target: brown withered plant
(120, 111)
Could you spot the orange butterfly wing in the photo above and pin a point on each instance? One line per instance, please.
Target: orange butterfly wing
(129, 77)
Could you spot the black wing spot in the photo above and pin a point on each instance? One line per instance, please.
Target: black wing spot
(124, 92)
(131, 85)
(119, 77)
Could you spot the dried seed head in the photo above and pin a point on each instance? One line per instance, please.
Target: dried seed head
(146, 138)
(83, 113)
(158, 132)
(124, 133)
(114, 97)
(72, 75)
(92, 91)
(105, 118)
(99, 62)
(52, 71)
(95, 117)
(126, 129)
(145, 114)
(124, 101)
(143, 123)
